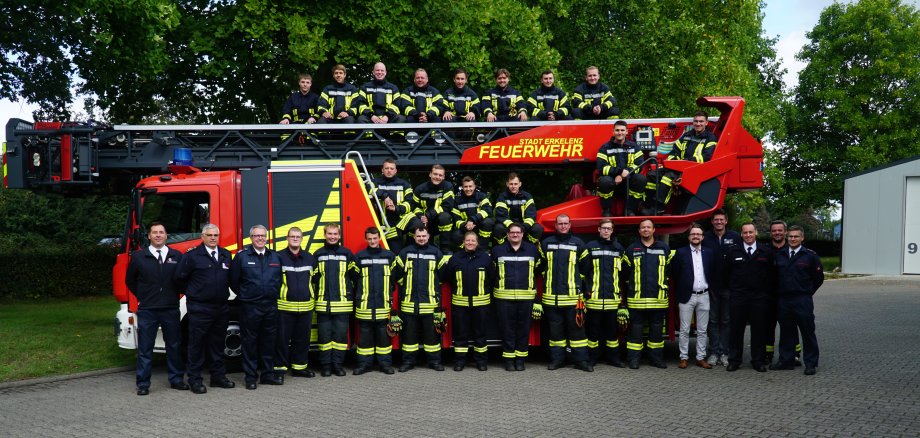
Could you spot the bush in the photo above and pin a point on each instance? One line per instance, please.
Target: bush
(55, 272)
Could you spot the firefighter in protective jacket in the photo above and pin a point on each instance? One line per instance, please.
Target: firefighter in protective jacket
(472, 212)
(618, 165)
(602, 265)
(517, 263)
(295, 307)
(470, 275)
(647, 268)
(374, 285)
(334, 294)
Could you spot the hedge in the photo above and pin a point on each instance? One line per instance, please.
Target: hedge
(55, 272)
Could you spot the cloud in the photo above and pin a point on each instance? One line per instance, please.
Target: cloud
(786, 49)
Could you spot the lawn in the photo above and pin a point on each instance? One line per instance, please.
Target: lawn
(830, 263)
(42, 338)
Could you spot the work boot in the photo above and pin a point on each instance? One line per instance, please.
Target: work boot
(386, 369)
(634, 364)
(337, 370)
(326, 371)
(360, 369)
(436, 366)
(509, 365)
(519, 365)
(406, 367)
(459, 365)
(554, 365)
(584, 366)
(482, 366)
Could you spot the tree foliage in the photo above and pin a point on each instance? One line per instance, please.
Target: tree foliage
(856, 104)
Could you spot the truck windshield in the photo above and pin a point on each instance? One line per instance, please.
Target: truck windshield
(183, 214)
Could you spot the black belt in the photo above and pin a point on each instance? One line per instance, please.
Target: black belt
(700, 292)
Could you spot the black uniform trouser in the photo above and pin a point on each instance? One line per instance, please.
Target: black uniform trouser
(207, 331)
(332, 337)
(607, 188)
(533, 233)
(347, 120)
(147, 322)
(515, 318)
(772, 323)
(654, 319)
(293, 347)
(797, 312)
(563, 331)
(719, 328)
(420, 327)
(603, 334)
(748, 308)
(469, 324)
(258, 324)
(374, 340)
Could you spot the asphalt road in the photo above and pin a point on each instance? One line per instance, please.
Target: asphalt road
(867, 385)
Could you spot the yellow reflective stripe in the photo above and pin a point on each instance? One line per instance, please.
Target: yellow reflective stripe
(432, 348)
(423, 308)
(295, 306)
(655, 344)
(519, 353)
(411, 348)
(553, 343)
(613, 344)
(637, 278)
(592, 344)
(480, 349)
(596, 280)
(368, 314)
(366, 351)
(662, 279)
(464, 301)
(515, 294)
(581, 343)
(461, 350)
(633, 346)
(334, 307)
(549, 274)
(384, 350)
(508, 354)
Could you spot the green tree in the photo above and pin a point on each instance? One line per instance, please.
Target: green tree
(856, 104)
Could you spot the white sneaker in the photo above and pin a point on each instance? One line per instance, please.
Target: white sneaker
(724, 359)
(713, 360)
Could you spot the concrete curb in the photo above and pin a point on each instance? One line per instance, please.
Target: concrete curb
(61, 378)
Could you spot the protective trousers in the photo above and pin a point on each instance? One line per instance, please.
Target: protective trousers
(332, 337)
(419, 327)
(603, 335)
(469, 324)
(293, 341)
(563, 331)
(374, 340)
(639, 319)
(514, 317)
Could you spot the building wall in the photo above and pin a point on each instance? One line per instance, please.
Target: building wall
(873, 220)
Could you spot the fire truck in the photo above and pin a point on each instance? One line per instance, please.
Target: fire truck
(236, 176)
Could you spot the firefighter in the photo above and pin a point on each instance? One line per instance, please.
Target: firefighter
(395, 194)
(548, 102)
(295, 308)
(517, 263)
(472, 212)
(461, 101)
(378, 99)
(516, 206)
(647, 266)
(719, 239)
(421, 102)
(696, 145)
(339, 100)
(563, 252)
(417, 270)
(503, 103)
(750, 272)
(618, 164)
(374, 285)
(432, 202)
(601, 265)
(470, 275)
(256, 276)
(799, 275)
(334, 292)
(592, 99)
(150, 278)
(204, 274)
(302, 106)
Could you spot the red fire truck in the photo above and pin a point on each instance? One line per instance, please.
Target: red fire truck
(236, 176)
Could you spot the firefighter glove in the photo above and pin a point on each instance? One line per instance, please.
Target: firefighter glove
(440, 321)
(537, 312)
(623, 316)
(395, 325)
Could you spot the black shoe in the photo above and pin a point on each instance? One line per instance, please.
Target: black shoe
(459, 366)
(781, 367)
(659, 364)
(510, 365)
(810, 371)
(732, 367)
(554, 366)
(634, 364)
(798, 360)
(326, 372)
(519, 365)
(360, 370)
(436, 366)
(584, 366)
(406, 367)
(199, 388)
(181, 386)
(303, 373)
(223, 383)
(482, 366)
(768, 358)
(615, 362)
(338, 371)
(251, 385)
(143, 391)
(271, 380)
(387, 370)
(760, 368)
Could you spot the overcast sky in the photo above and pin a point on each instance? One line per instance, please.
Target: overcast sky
(787, 19)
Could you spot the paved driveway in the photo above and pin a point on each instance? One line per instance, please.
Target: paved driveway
(867, 384)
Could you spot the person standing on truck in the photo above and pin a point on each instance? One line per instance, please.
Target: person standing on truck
(548, 102)
(204, 274)
(470, 276)
(601, 266)
(472, 212)
(799, 274)
(719, 239)
(421, 102)
(618, 165)
(433, 201)
(374, 286)
(295, 308)
(461, 101)
(503, 103)
(516, 206)
(303, 105)
(150, 278)
(256, 276)
(517, 263)
(337, 102)
(395, 194)
(332, 280)
(696, 145)
(648, 262)
(592, 99)
(750, 274)
(417, 270)
(378, 99)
